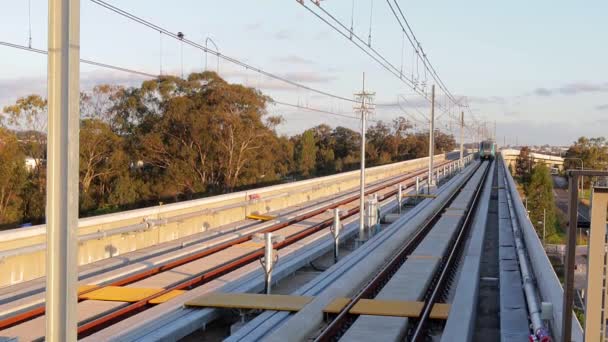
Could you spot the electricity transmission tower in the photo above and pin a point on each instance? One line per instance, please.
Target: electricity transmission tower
(364, 108)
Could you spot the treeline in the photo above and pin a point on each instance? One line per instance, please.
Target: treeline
(173, 139)
(537, 183)
(536, 180)
(592, 153)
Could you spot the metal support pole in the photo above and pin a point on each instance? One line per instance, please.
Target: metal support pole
(365, 107)
(461, 135)
(400, 197)
(371, 215)
(335, 230)
(431, 138)
(570, 258)
(417, 185)
(62, 169)
(583, 178)
(268, 261)
(362, 181)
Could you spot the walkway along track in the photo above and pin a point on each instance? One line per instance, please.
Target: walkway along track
(86, 328)
(450, 263)
(340, 324)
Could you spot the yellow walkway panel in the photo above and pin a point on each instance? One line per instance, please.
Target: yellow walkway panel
(167, 296)
(120, 294)
(260, 217)
(395, 308)
(440, 311)
(336, 305)
(250, 301)
(84, 288)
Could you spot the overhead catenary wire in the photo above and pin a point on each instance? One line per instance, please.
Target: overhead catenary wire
(374, 54)
(142, 73)
(419, 52)
(29, 19)
(85, 61)
(317, 110)
(160, 54)
(368, 50)
(232, 60)
(227, 58)
(196, 45)
(416, 44)
(371, 11)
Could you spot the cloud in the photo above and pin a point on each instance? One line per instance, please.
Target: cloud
(603, 107)
(283, 35)
(253, 26)
(264, 83)
(511, 113)
(486, 99)
(404, 102)
(542, 92)
(12, 89)
(309, 76)
(575, 88)
(293, 59)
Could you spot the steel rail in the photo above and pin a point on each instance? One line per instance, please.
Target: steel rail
(40, 310)
(201, 278)
(449, 262)
(339, 323)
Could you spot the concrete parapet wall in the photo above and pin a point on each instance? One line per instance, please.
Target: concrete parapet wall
(22, 250)
(547, 281)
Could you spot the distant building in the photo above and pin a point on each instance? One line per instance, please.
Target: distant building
(31, 163)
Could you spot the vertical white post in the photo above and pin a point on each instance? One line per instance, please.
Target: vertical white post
(268, 260)
(399, 197)
(362, 180)
(62, 169)
(336, 233)
(365, 107)
(431, 139)
(417, 185)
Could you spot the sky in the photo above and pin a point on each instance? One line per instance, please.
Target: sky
(536, 68)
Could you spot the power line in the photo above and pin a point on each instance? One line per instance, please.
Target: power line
(419, 50)
(142, 73)
(313, 109)
(366, 48)
(85, 61)
(418, 47)
(425, 118)
(233, 60)
(379, 58)
(427, 63)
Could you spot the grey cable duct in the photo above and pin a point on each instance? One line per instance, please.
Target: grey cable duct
(540, 332)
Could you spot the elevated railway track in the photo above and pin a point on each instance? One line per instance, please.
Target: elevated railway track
(423, 274)
(23, 313)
